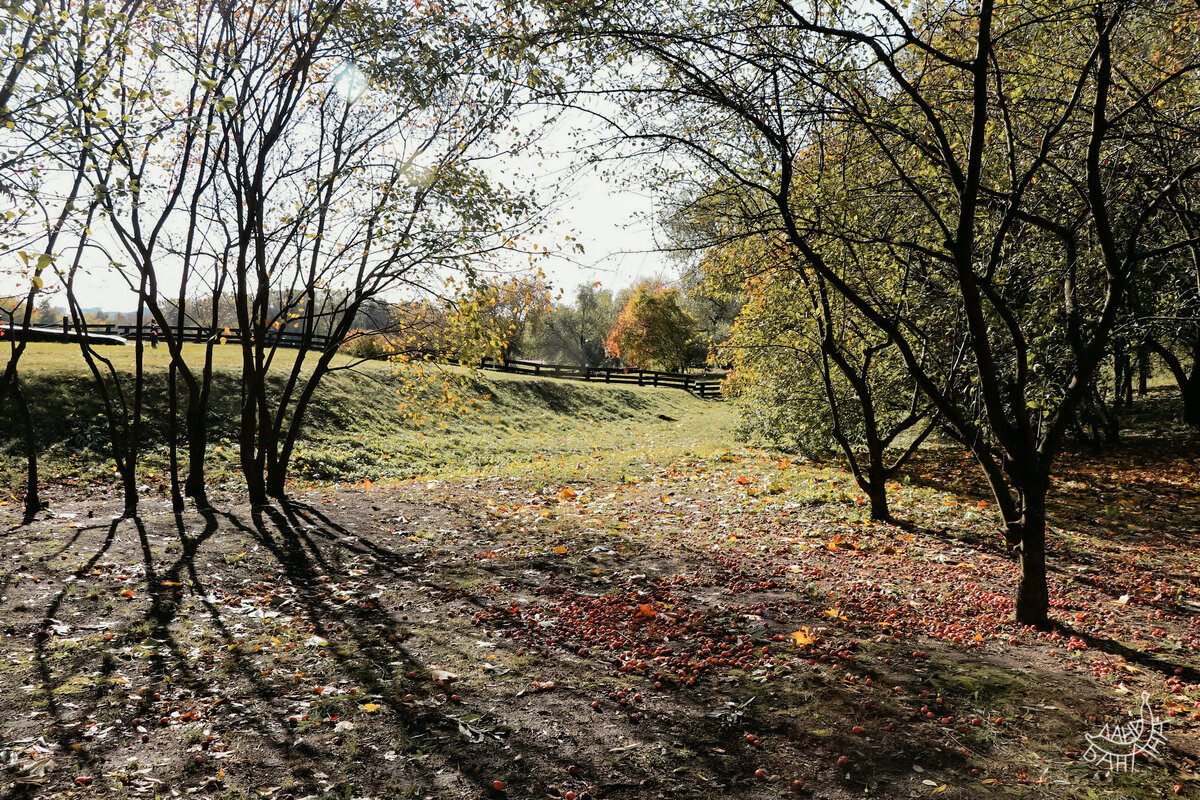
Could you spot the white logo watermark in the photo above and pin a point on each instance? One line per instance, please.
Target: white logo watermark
(1116, 747)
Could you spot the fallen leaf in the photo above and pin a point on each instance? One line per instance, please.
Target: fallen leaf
(803, 637)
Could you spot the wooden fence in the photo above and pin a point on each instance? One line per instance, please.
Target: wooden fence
(705, 385)
(200, 334)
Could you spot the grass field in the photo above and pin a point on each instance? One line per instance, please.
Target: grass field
(357, 428)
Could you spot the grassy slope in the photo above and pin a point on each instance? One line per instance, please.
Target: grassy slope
(356, 428)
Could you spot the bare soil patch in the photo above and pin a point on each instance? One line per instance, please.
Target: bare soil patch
(729, 627)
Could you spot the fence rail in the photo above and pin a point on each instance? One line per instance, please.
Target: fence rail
(200, 334)
(704, 385)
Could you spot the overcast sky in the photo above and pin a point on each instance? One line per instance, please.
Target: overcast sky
(614, 223)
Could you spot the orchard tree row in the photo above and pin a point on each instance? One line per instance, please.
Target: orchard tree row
(969, 217)
(274, 165)
(936, 213)
(647, 326)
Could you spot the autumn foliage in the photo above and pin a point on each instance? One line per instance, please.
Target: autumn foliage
(652, 330)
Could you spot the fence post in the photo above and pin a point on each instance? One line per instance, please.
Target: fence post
(66, 330)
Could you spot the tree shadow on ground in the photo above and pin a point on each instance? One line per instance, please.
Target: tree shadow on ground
(185, 644)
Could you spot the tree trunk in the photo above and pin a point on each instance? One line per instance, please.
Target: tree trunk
(1143, 362)
(1033, 598)
(1121, 378)
(129, 484)
(194, 487)
(133, 445)
(173, 438)
(252, 466)
(249, 446)
(277, 478)
(33, 501)
(1189, 385)
(1191, 400)
(876, 490)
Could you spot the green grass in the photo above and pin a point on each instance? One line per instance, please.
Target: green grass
(379, 422)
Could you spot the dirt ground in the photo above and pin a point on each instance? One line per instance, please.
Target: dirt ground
(732, 627)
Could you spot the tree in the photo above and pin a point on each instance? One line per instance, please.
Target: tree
(1002, 151)
(1167, 320)
(298, 164)
(810, 374)
(572, 333)
(36, 142)
(353, 136)
(652, 330)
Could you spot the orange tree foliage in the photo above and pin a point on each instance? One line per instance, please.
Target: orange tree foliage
(652, 330)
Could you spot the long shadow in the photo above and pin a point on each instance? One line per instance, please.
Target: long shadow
(6, 577)
(365, 644)
(270, 727)
(363, 638)
(374, 634)
(693, 727)
(301, 516)
(42, 641)
(165, 593)
(1185, 671)
(61, 730)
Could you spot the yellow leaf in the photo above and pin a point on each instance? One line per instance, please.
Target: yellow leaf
(803, 637)
(561, 550)
(370, 707)
(939, 789)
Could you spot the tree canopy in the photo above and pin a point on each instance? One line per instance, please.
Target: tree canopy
(978, 185)
(652, 331)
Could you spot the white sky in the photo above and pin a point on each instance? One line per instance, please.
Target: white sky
(614, 223)
(613, 220)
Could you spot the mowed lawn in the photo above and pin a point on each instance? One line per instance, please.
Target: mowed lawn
(379, 421)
